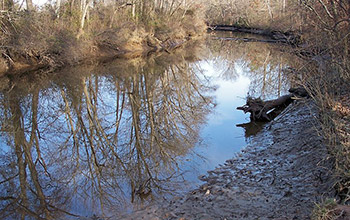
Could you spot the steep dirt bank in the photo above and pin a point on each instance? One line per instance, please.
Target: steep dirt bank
(280, 175)
(32, 41)
(17, 62)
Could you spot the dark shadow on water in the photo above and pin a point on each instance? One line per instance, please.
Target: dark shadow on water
(251, 128)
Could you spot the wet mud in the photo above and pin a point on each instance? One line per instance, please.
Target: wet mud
(280, 175)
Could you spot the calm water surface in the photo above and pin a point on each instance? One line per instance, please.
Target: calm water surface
(102, 140)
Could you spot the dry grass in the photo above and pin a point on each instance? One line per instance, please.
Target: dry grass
(326, 75)
(271, 14)
(327, 80)
(329, 210)
(31, 40)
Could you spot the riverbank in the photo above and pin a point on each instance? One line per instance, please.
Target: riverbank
(324, 72)
(38, 40)
(280, 175)
(324, 27)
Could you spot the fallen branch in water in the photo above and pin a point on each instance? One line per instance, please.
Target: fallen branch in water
(267, 110)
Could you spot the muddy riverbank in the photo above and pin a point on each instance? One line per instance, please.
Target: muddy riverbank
(280, 175)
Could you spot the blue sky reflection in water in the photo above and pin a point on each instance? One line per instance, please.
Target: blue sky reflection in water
(94, 131)
(221, 136)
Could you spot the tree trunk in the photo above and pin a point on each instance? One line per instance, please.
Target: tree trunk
(83, 17)
(269, 8)
(29, 5)
(133, 10)
(58, 6)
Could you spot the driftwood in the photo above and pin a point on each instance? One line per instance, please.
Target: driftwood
(276, 36)
(267, 110)
(246, 39)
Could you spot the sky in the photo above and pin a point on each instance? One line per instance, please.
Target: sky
(40, 2)
(222, 139)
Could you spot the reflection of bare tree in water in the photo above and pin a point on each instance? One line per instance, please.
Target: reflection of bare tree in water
(20, 173)
(264, 63)
(224, 57)
(271, 82)
(171, 106)
(99, 139)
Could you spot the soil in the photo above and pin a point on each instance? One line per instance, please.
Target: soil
(281, 174)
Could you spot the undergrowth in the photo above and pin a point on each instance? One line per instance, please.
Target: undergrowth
(327, 78)
(58, 39)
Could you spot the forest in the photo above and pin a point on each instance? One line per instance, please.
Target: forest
(61, 33)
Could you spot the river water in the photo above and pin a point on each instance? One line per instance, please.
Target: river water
(97, 141)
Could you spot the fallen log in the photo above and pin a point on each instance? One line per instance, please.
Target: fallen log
(246, 39)
(288, 37)
(267, 110)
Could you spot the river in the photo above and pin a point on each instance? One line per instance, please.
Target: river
(105, 139)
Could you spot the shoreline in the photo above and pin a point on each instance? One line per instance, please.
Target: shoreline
(20, 65)
(280, 175)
